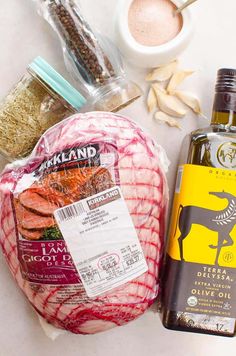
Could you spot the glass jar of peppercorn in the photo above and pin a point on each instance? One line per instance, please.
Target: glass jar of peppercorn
(92, 60)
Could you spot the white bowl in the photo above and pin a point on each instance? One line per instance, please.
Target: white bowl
(150, 56)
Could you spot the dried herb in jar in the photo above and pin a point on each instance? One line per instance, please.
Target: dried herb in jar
(26, 113)
(41, 99)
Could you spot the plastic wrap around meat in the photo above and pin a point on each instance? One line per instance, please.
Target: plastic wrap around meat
(95, 181)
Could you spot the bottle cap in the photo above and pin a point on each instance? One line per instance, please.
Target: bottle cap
(58, 84)
(224, 107)
(226, 80)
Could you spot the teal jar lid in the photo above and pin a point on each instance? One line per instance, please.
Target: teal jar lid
(54, 80)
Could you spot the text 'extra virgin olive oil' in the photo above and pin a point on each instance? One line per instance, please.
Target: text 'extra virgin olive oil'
(199, 293)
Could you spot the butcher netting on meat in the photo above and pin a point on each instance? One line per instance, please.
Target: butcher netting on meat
(82, 222)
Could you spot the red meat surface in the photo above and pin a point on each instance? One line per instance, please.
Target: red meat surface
(30, 234)
(36, 203)
(30, 220)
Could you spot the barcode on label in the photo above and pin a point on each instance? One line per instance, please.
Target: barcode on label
(70, 212)
(179, 180)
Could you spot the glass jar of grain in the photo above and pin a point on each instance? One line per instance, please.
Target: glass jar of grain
(41, 99)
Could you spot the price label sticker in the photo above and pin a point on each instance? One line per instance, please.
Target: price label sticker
(102, 240)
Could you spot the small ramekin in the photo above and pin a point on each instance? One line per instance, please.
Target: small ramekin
(147, 56)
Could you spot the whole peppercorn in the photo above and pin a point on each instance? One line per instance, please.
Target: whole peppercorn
(82, 44)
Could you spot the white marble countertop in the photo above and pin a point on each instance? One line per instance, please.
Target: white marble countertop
(23, 36)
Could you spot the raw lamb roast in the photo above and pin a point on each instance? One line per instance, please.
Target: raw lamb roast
(106, 164)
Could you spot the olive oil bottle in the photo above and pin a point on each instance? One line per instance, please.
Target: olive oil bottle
(199, 282)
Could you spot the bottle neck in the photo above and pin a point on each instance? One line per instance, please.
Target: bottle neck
(224, 110)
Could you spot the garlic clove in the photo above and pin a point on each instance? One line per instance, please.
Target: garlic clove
(177, 79)
(162, 117)
(151, 100)
(190, 100)
(158, 88)
(162, 73)
(170, 104)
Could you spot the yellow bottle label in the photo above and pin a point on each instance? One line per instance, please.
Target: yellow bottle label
(200, 270)
(203, 223)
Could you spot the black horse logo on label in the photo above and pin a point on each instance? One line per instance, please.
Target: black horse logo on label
(221, 221)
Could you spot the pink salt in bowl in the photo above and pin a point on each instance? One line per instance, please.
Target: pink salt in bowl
(148, 33)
